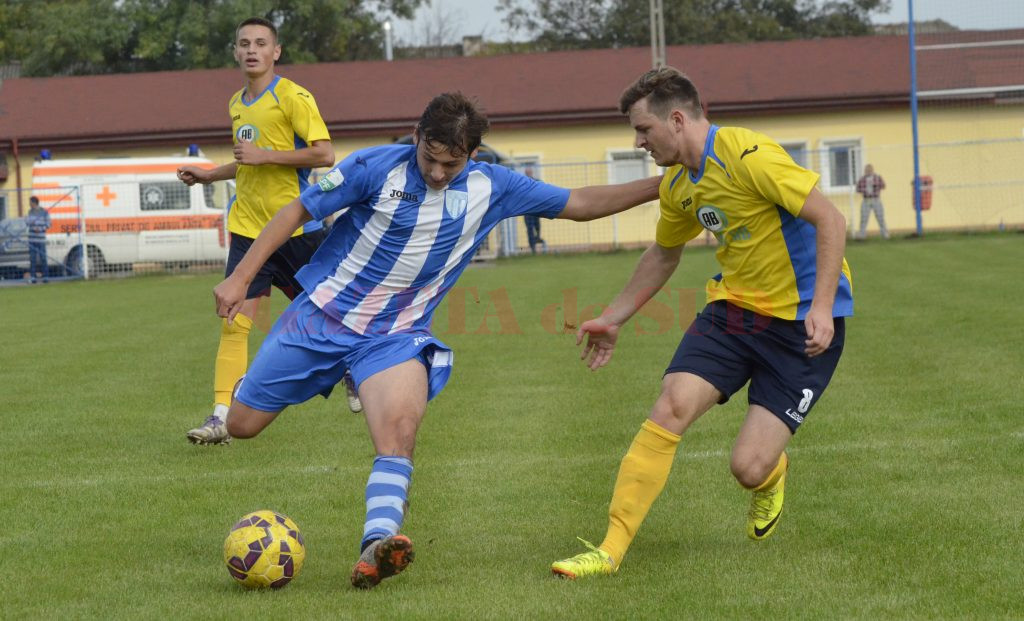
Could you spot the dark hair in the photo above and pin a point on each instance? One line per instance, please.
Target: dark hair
(453, 121)
(33, 200)
(664, 89)
(257, 21)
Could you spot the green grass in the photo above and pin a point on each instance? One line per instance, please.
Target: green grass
(904, 496)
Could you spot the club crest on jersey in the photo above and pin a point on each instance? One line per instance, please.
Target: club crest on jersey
(712, 218)
(331, 180)
(455, 203)
(247, 133)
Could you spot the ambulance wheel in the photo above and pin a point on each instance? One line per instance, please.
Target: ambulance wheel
(76, 264)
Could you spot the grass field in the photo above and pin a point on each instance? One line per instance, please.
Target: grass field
(904, 498)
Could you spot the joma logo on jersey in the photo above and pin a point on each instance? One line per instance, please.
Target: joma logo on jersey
(247, 133)
(687, 202)
(712, 218)
(405, 196)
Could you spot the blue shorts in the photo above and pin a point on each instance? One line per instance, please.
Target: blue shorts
(728, 345)
(308, 352)
(280, 268)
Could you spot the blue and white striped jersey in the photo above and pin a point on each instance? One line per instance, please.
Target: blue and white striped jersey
(391, 258)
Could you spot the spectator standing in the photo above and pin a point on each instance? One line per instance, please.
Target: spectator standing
(870, 186)
(38, 223)
(532, 221)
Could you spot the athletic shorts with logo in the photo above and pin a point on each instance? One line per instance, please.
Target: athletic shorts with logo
(307, 353)
(280, 268)
(728, 345)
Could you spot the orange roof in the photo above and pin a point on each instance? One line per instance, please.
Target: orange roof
(378, 97)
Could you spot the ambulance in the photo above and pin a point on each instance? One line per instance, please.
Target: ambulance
(126, 211)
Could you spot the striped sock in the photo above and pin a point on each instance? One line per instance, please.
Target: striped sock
(387, 496)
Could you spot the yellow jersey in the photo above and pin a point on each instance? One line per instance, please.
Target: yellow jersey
(748, 192)
(284, 117)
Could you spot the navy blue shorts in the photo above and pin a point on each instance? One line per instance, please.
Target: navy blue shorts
(280, 268)
(728, 345)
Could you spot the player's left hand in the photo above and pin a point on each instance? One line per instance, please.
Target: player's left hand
(601, 336)
(249, 154)
(820, 330)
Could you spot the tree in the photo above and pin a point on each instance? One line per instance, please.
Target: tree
(582, 24)
(437, 34)
(64, 37)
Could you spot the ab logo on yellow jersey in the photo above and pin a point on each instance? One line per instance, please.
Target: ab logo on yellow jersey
(247, 133)
(712, 218)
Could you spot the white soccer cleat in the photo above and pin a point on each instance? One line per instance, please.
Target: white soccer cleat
(213, 430)
(354, 403)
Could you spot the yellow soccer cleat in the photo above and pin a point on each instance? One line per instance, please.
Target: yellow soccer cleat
(596, 562)
(766, 509)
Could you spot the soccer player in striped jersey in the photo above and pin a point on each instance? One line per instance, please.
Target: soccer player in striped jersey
(279, 136)
(774, 318)
(416, 215)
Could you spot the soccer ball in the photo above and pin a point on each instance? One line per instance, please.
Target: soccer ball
(264, 549)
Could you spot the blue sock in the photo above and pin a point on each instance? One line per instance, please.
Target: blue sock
(387, 495)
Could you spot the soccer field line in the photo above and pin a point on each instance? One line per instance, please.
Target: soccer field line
(610, 457)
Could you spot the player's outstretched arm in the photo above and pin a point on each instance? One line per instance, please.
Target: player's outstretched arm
(652, 272)
(230, 293)
(598, 201)
(192, 175)
(320, 154)
(830, 235)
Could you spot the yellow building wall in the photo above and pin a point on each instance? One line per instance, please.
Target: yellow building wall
(974, 154)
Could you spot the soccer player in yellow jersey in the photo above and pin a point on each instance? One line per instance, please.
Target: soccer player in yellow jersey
(774, 318)
(278, 137)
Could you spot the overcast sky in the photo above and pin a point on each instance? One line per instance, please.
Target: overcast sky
(475, 17)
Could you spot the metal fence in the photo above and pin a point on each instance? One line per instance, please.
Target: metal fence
(967, 114)
(978, 184)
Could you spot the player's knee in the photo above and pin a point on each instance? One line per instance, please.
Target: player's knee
(237, 428)
(674, 405)
(751, 468)
(243, 425)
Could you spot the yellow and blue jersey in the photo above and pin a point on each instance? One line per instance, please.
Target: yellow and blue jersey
(283, 117)
(748, 192)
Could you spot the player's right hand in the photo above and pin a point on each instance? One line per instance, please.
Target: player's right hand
(601, 337)
(229, 296)
(191, 175)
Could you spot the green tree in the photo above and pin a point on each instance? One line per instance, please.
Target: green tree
(581, 24)
(64, 37)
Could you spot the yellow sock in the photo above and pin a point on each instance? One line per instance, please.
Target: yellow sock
(642, 476)
(774, 475)
(232, 357)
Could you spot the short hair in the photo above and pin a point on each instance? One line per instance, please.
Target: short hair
(33, 200)
(257, 21)
(454, 121)
(664, 89)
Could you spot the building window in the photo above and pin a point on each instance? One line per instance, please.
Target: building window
(629, 165)
(841, 161)
(797, 151)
